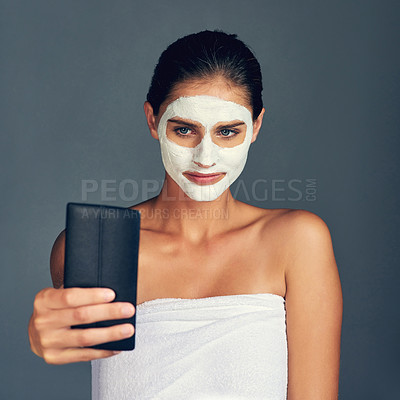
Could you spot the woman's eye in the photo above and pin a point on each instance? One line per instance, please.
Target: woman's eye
(182, 131)
(228, 133)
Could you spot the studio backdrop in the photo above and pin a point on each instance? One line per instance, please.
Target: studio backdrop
(73, 79)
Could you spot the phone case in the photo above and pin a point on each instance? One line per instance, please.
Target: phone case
(101, 250)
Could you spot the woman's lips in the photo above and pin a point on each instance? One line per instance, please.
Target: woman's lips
(204, 179)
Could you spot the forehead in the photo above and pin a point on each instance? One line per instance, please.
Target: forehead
(216, 86)
(207, 110)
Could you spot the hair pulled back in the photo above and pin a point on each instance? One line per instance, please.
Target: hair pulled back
(206, 55)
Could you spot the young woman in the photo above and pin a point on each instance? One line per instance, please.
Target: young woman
(234, 301)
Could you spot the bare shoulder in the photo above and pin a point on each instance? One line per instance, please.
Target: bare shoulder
(307, 237)
(300, 230)
(295, 221)
(57, 257)
(304, 244)
(307, 220)
(311, 274)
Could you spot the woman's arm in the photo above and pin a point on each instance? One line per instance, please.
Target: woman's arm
(314, 307)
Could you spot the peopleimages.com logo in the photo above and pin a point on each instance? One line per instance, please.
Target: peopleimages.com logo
(132, 190)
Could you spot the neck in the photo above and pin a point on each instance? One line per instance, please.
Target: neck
(194, 220)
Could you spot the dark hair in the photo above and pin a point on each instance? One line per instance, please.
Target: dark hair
(204, 55)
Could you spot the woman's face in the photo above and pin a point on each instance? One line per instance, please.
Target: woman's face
(205, 129)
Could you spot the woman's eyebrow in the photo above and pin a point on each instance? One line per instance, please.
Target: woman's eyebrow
(178, 121)
(227, 126)
(193, 125)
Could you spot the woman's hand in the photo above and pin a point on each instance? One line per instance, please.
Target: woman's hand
(56, 310)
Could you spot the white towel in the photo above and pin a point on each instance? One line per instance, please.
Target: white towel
(213, 348)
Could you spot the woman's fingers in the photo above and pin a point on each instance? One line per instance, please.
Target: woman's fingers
(78, 338)
(66, 356)
(88, 314)
(72, 297)
(56, 310)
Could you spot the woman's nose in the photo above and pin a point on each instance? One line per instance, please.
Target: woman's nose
(202, 165)
(205, 154)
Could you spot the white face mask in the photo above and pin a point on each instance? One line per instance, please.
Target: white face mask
(208, 111)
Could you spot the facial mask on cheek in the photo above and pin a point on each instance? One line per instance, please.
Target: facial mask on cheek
(206, 110)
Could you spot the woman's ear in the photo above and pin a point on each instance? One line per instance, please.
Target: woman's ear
(151, 119)
(257, 125)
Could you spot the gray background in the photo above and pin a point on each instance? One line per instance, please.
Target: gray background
(73, 79)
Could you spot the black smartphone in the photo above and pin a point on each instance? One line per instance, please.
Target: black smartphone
(101, 250)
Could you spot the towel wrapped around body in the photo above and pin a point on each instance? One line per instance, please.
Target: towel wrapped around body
(212, 348)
